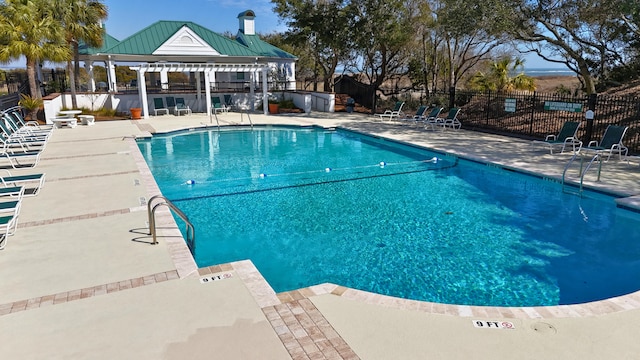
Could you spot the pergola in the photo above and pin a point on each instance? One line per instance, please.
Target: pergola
(208, 70)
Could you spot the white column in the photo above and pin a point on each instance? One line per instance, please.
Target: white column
(265, 95)
(198, 90)
(111, 75)
(207, 90)
(252, 90)
(292, 77)
(88, 66)
(142, 94)
(164, 79)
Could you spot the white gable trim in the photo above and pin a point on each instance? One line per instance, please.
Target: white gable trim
(185, 42)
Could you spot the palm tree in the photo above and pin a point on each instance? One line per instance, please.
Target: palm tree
(28, 28)
(82, 21)
(499, 77)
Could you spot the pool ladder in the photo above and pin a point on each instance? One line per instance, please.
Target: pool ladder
(242, 112)
(151, 212)
(596, 157)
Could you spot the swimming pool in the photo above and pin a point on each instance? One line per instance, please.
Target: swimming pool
(309, 206)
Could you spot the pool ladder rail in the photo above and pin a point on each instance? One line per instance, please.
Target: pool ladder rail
(242, 112)
(151, 212)
(583, 170)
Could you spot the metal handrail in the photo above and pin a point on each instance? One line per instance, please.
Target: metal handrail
(326, 101)
(152, 219)
(242, 112)
(581, 172)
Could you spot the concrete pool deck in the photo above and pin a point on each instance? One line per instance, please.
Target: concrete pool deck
(80, 279)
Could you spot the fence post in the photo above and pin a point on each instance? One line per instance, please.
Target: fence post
(452, 97)
(591, 105)
(533, 113)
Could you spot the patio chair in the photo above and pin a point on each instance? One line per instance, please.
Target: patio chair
(19, 156)
(431, 119)
(16, 144)
(566, 136)
(9, 211)
(611, 142)
(451, 121)
(30, 183)
(418, 115)
(181, 107)
(158, 105)
(228, 101)
(12, 122)
(216, 105)
(171, 102)
(392, 114)
(16, 113)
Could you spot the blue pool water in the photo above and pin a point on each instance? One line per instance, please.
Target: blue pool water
(310, 206)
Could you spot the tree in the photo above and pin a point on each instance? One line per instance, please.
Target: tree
(382, 32)
(471, 31)
(321, 27)
(500, 77)
(82, 21)
(28, 28)
(584, 35)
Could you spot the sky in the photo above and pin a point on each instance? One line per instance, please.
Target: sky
(127, 17)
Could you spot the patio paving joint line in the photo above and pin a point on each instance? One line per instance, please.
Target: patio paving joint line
(63, 297)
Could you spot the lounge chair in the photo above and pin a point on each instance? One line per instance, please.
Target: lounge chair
(16, 144)
(451, 121)
(20, 159)
(392, 114)
(181, 107)
(16, 113)
(228, 101)
(216, 105)
(9, 211)
(431, 119)
(171, 102)
(567, 136)
(31, 183)
(418, 115)
(158, 105)
(611, 142)
(12, 122)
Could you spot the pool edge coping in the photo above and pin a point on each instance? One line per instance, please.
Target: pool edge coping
(265, 296)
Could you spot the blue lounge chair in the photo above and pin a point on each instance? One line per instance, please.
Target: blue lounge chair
(611, 142)
(417, 116)
(228, 101)
(181, 107)
(451, 121)
(567, 136)
(9, 211)
(158, 105)
(392, 114)
(216, 105)
(30, 183)
(431, 119)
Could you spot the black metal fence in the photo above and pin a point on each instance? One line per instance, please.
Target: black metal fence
(535, 115)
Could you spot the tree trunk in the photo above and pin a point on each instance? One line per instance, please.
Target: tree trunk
(31, 75)
(72, 85)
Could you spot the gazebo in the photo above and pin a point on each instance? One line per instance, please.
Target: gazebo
(183, 46)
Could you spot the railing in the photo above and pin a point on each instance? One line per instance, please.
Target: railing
(151, 211)
(326, 103)
(596, 157)
(242, 112)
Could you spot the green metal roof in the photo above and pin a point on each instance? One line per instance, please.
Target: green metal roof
(108, 41)
(262, 48)
(147, 40)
